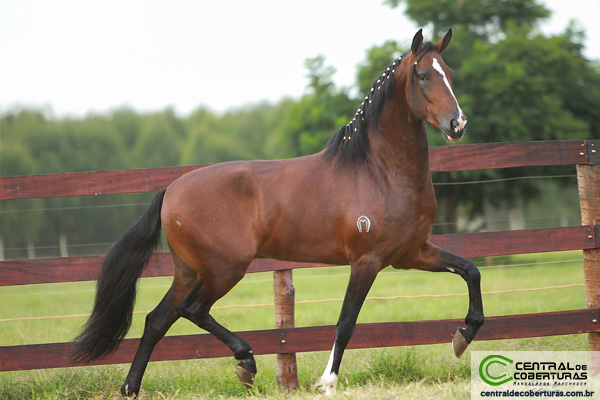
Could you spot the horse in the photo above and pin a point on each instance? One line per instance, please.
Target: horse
(366, 200)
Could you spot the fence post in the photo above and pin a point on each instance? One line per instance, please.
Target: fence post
(284, 297)
(588, 180)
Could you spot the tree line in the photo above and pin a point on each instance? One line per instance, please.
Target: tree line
(514, 83)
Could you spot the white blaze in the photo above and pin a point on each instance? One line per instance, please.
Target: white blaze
(461, 118)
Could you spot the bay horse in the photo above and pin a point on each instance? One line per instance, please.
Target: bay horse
(366, 200)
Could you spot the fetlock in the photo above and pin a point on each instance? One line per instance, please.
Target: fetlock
(128, 390)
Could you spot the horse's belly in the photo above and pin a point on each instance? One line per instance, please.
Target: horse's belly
(304, 240)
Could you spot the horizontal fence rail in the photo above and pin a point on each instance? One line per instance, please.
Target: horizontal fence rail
(442, 159)
(518, 154)
(314, 338)
(72, 269)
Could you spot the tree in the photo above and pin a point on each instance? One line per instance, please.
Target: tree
(378, 59)
(207, 146)
(310, 122)
(486, 20)
(160, 141)
(251, 127)
(18, 228)
(128, 125)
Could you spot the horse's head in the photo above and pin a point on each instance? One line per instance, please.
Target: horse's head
(430, 95)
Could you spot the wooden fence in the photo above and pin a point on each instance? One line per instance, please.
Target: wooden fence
(286, 340)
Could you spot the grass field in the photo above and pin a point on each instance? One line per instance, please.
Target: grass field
(411, 372)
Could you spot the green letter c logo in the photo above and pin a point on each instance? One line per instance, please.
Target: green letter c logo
(485, 374)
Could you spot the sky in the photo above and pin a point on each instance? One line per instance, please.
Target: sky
(73, 57)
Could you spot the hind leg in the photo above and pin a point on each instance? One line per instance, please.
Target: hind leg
(158, 323)
(196, 306)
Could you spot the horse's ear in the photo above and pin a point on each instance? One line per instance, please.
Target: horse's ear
(417, 43)
(443, 43)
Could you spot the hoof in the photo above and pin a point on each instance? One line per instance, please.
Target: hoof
(126, 391)
(245, 376)
(327, 383)
(459, 343)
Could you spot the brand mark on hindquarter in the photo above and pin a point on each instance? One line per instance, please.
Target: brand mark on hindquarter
(363, 223)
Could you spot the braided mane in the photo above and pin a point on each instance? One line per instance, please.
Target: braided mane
(350, 144)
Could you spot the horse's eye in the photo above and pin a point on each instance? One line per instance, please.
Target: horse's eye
(423, 77)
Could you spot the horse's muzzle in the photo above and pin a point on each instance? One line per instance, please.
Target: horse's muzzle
(456, 129)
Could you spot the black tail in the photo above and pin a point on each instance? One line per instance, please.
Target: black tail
(116, 289)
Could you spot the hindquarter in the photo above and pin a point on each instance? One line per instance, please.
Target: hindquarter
(210, 216)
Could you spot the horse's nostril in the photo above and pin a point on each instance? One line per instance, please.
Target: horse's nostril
(454, 124)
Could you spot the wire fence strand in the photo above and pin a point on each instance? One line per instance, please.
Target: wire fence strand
(370, 298)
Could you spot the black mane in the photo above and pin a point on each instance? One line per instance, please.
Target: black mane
(351, 142)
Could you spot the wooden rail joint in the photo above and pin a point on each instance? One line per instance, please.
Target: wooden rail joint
(590, 150)
(595, 317)
(594, 234)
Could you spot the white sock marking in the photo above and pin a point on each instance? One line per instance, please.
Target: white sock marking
(328, 381)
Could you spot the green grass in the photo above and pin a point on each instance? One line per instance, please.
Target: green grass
(411, 372)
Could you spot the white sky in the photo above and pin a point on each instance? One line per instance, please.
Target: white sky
(75, 56)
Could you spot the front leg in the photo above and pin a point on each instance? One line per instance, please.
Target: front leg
(435, 259)
(362, 276)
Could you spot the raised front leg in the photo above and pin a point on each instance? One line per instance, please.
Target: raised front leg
(437, 260)
(362, 277)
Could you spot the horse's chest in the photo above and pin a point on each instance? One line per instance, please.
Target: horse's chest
(406, 207)
(396, 222)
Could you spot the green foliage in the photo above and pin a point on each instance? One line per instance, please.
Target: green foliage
(159, 144)
(310, 122)
(525, 89)
(483, 18)
(319, 76)
(378, 59)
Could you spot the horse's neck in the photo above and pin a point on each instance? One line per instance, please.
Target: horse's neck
(401, 144)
